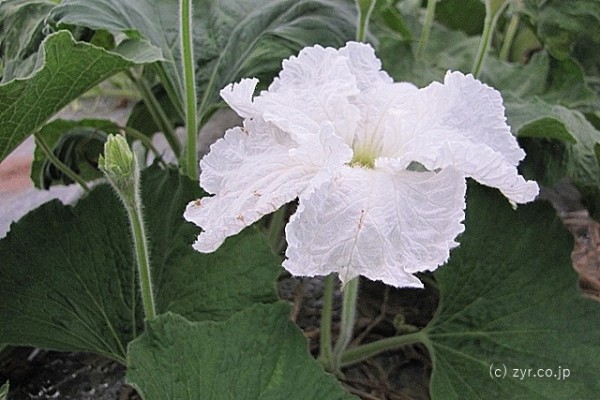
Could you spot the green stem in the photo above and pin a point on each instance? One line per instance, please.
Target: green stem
(511, 32)
(325, 355)
(350, 294)
(64, 168)
(134, 211)
(143, 261)
(191, 123)
(365, 9)
(157, 114)
(491, 19)
(429, 16)
(120, 166)
(166, 82)
(360, 353)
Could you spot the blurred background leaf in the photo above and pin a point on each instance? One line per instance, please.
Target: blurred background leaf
(232, 38)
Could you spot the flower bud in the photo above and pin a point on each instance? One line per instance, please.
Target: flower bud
(120, 167)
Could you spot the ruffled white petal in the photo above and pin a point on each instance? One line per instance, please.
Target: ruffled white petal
(477, 111)
(255, 170)
(384, 223)
(364, 65)
(478, 161)
(239, 97)
(461, 124)
(312, 89)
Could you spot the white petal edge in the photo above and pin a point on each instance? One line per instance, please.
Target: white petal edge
(477, 161)
(461, 124)
(364, 65)
(253, 171)
(312, 89)
(239, 97)
(384, 223)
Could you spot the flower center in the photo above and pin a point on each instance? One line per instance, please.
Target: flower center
(363, 158)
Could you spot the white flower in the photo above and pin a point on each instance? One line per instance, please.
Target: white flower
(379, 167)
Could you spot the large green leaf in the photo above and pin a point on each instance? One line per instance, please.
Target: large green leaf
(256, 354)
(543, 77)
(565, 26)
(232, 38)
(65, 70)
(509, 299)
(68, 277)
(21, 32)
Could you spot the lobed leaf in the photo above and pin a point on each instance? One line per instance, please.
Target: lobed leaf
(257, 353)
(68, 275)
(508, 299)
(66, 70)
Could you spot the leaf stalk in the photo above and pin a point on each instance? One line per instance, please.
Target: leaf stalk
(350, 295)
(191, 120)
(365, 351)
(157, 113)
(325, 348)
(489, 25)
(365, 9)
(429, 16)
(509, 38)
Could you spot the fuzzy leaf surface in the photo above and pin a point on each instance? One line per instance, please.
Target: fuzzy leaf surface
(257, 353)
(508, 297)
(68, 275)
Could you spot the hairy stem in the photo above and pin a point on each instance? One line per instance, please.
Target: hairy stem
(120, 166)
(191, 121)
(142, 257)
